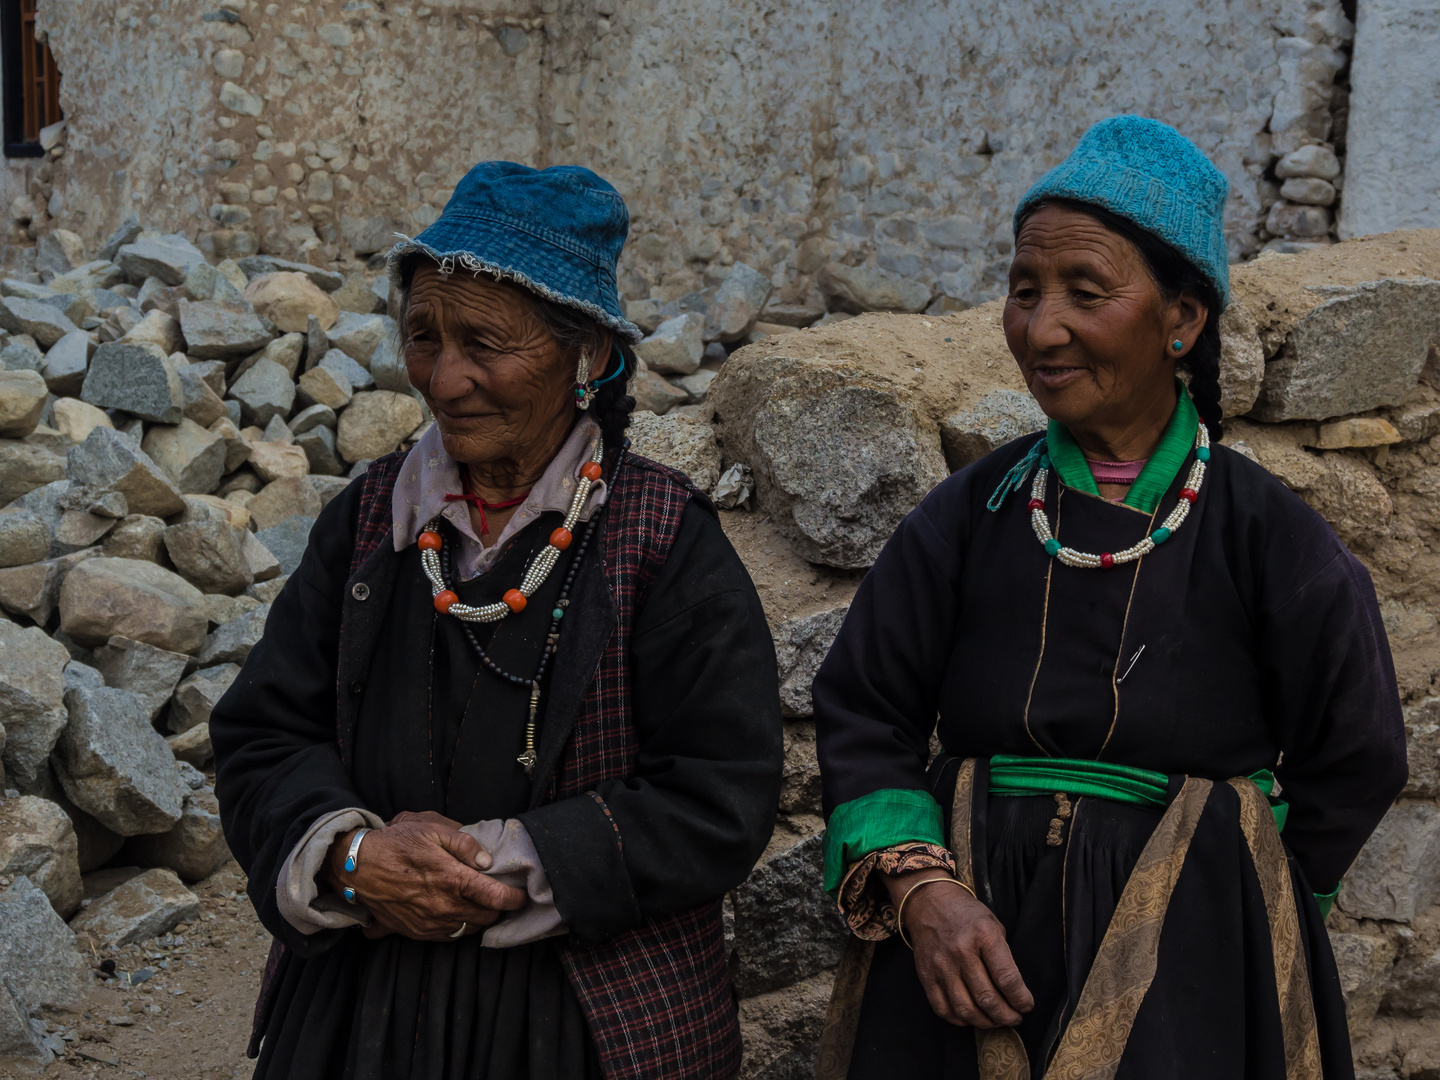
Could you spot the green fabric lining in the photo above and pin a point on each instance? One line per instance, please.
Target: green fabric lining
(1326, 901)
(1159, 472)
(877, 821)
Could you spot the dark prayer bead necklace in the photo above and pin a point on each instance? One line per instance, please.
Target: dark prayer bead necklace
(528, 759)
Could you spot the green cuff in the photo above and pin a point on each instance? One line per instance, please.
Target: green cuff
(1327, 901)
(877, 821)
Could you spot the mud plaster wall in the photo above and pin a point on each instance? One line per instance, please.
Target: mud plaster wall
(896, 131)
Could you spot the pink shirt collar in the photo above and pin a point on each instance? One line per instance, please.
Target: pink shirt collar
(428, 474)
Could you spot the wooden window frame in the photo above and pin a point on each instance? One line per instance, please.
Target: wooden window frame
(31, 89)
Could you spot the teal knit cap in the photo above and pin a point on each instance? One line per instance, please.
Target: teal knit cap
(1149, 173)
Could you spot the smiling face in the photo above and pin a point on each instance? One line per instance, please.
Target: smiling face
(500, 386)
(1091, 330)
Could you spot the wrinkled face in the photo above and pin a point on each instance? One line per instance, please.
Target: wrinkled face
(1087, 324)
(500, 386)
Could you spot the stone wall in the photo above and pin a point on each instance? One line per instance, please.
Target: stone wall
(896, 133)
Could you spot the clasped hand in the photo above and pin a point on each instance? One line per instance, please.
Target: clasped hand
(961, 956)
(420, 877)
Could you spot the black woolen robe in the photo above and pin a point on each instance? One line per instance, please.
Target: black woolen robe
(1251, 639)
(436, 731)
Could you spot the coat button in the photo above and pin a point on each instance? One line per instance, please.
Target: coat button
(360, 591)
(357, 687)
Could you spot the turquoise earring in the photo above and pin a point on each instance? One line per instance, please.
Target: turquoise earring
(1177, 345)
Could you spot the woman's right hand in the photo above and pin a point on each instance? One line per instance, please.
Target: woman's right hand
(961, 956)
(418, 877)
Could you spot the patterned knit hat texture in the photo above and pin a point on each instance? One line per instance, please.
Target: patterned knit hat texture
(1149, 173)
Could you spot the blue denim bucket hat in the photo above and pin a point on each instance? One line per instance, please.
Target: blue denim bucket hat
(557, 232)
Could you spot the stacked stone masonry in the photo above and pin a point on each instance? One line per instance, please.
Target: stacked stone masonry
(890, 139)
(165, 450)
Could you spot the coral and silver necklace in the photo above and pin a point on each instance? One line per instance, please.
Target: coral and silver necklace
(447, 602)
(1070, 557)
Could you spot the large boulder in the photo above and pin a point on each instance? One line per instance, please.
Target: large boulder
(282, 499)
(108, 461)
(168, 258)
(66, 364)
(681, 442)
(210, 555)
(1363, 963)
(22, 400)
(147, 672)
(33, 590)
(22, 1040)
(191, 456)
(75, 419)
(287, 541)
(137, 378)
(158, 328)
(264, 391)
(676, 346)
(38, 952)
(24, 467)
(115, 766)
(358, 335)
(1391, 323)
(253, 266)
(24, 538)
(786, 927)
(198, 695)
(103, 597)
(287, 299)
(232, 642)
(195, 848)
(43, 321)
(217, 331)
(146, 906)
(867, 288)
(996, 419)
(376, 422)
(32, 689)
(37, 840)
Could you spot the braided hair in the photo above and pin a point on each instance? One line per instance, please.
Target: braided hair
(574, 332)
(1173, 274)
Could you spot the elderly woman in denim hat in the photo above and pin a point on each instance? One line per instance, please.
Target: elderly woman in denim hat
(1168, 712)
(513, 728)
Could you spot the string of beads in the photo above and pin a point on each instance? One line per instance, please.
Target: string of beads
(1104, 561)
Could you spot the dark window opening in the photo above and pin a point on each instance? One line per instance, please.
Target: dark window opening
(31, 90)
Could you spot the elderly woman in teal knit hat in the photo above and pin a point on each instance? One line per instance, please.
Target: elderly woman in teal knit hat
(513, 729)
(1168, 713)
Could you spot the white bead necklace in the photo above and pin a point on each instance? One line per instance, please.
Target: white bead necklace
(1070, 557)
(514, 601)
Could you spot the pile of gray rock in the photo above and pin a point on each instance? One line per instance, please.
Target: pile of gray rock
(169, 432)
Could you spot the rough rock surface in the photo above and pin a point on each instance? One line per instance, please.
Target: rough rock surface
(190, 455)
(1397, 874)
(147, 672)
(231, 643)
(680, 442)
(146, 906)
(375, 423)
(996, 419)
(24, 538)
(37, 841)
(194, 848)
(104, 597)
(38, 952)
(1391, 323)
(264, 391)
(800, 647)
(22, 400)
(676, 346)
(786, 928)
(137, 378)
(23, 468)
(114, 765)
(32, 688)
(209, 555)
(287, 299)
(108, 461)
(198, 694)
(737, 304)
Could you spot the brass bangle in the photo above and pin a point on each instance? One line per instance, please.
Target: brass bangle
(900, 911)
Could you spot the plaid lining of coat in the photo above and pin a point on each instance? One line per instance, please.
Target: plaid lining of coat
(658, 998)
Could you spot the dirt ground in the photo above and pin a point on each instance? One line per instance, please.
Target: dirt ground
(190, 1019)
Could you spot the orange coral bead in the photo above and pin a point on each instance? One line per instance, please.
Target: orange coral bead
(591, 471)
(428, 541)
(560, 539)
(443, 599)
(515, 600)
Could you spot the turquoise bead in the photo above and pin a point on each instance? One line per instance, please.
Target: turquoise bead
(557, 614)
(1044, 461)
(1052, 546)
(1160, 535)
(1202, 453)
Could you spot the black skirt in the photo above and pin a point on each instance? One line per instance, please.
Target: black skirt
(1211, 1010)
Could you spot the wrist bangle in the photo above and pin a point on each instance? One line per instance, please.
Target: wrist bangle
(900, 911)
(352, 860)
